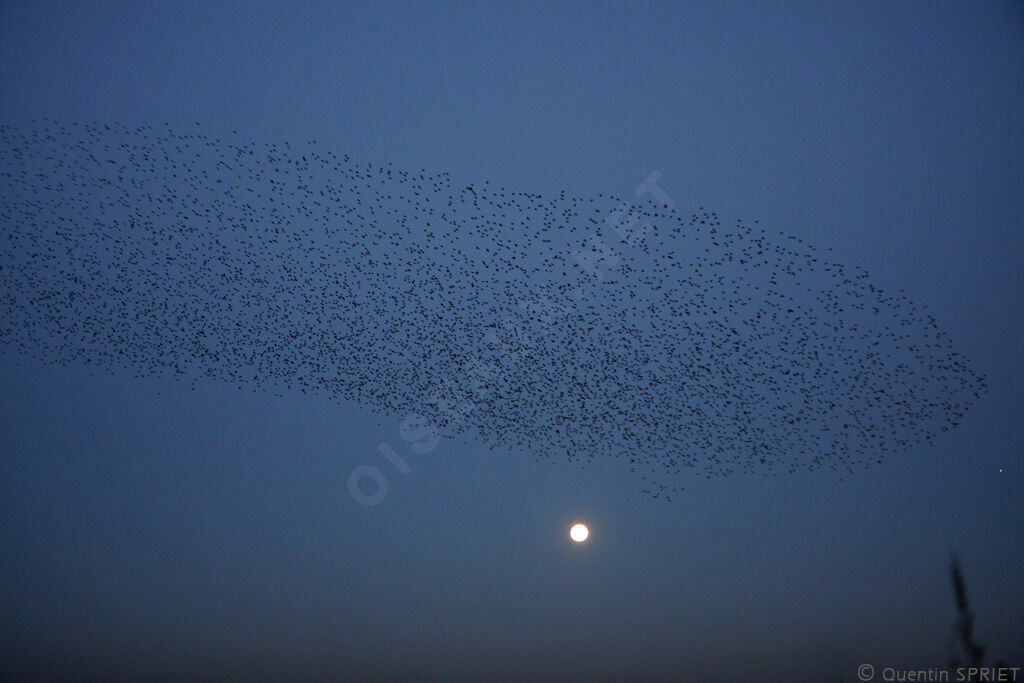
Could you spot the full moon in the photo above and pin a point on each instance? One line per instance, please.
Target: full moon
(579, 532)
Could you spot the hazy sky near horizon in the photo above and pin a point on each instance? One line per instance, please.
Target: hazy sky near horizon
(155, 529)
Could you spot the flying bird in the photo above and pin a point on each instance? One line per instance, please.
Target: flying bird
(558, 326)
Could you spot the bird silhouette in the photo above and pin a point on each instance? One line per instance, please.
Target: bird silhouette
(544, 325)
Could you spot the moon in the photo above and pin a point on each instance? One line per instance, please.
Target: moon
(579, 532)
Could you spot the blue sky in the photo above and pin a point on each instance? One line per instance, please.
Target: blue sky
(152, 529)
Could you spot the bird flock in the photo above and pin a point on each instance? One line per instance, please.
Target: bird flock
(552, 326)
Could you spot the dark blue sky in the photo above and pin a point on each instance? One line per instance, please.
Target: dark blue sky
(150, 529)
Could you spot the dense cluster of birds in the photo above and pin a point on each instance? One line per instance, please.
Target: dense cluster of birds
(557, 326)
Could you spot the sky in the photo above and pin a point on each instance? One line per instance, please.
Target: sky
(156, 528)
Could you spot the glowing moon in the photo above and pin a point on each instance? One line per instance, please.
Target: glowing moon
(579, 532)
